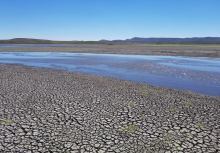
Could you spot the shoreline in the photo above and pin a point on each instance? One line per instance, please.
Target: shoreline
(204, 82)
(78, 112)
(141, 49)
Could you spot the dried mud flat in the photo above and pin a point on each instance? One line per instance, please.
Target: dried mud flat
(45, 110)
(134, 49)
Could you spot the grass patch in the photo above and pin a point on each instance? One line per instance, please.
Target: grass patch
(199, 125)
(168, 137)
(26, 143)
(187, 103)
(6, 122)
(142, 91)
(131, 128)
(115, 101)
(169, 96)
(173, 110)
(131, 103)
(155, 90)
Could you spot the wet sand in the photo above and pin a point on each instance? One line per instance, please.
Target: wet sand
(135, 49)
(45, 110)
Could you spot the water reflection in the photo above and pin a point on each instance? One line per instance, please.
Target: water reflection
(200, 75)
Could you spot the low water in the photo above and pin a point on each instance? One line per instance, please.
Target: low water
(201, 75)
(44, 45)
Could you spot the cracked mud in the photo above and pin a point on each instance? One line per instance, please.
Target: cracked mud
(45, 110)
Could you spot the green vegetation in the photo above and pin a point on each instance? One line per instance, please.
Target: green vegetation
(169, 139)
(130, 128)
(6, 122)
(187, 103)
(26, 143)
(142, 113)
(199, 125)
(174, 110)
(142, 91)
(131, 103)
(155, 90)
(115, 101)
(169, 96)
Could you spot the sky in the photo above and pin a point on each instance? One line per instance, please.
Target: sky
(108, 19)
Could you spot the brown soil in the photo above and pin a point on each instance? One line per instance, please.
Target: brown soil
(140, 49)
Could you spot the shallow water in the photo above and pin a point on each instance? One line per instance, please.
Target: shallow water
(200, 75)
(43, 45)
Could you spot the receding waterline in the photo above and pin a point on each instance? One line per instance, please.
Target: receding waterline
(186, 73)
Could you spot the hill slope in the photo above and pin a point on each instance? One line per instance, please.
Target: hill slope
(42, 41)
(195, 40)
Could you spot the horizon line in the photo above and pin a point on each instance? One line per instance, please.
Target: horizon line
(114, 39)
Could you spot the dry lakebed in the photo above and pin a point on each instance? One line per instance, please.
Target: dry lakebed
(48, 110)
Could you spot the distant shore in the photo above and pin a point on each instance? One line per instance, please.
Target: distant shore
(45, 110)
(134, 49)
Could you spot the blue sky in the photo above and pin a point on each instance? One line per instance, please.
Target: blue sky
(108, 19)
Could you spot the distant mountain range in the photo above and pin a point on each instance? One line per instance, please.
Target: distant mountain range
(194, 40)
(43, 41)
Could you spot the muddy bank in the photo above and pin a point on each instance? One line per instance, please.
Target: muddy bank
(141, 49)
(52, 110)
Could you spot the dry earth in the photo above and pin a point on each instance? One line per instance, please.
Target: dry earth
(45, 110)
(141, 49)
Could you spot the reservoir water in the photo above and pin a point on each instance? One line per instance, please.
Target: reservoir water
(201, 75)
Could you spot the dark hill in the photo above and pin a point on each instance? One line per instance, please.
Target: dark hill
(195, 40)
(42, 41)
